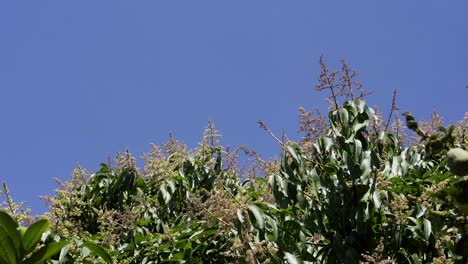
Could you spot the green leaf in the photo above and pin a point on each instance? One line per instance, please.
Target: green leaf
(344, 116)
(33, 235)
(360, 105)
(292, 151)
(98, 251)
(292, 259)
(196, 233)
(188, 250)
(171, 185)
(179, 257)
(45, 253)
(427, 228)
(416, 223)
(240, 216)
(206, 233)
(376, 199)
(164, 194)
(357, 149)
(63, 253)
(358, 126)
(292, 227)
(140, 183)
(11, 228)
(274, 228)
(258, 215)
(7, 249)
(104, 168)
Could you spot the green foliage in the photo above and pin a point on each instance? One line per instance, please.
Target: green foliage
(98, 251)
(352, 191)
(352, 197)
(26, 246)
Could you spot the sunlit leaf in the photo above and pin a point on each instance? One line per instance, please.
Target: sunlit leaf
(11, 228)
(257, 215)
(102, 253)
(63, 253)
(427, 228)
(240, 216)
(7, 248)
(33, 234)
(45, 253)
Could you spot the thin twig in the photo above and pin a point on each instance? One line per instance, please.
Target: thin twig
(262, 125)
(327, 81)
(393, 108)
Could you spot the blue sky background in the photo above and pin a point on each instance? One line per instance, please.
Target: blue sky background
(80, 79)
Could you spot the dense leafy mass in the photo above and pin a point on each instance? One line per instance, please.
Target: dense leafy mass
(354, 190)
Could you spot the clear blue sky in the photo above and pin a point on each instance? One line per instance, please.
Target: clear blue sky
(80, 79)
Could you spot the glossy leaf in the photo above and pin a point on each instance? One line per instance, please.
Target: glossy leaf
(11, 228)
(45, 253)
(63, 253)
(7, 249)
(257, 215)
(102, 253)
(427, 228)
(33, 234)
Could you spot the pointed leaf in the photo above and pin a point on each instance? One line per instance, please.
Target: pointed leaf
(360, 105)
(7, 249)
(376, 199)
(273, 228)
(171, 185)
(98, 251)
(344, 116)
(258, 215)
(33, 235)
(63, 253)
(45, 253)
(11, 227)
(240, 216)
(292, 151)
(327, 143)
(164, 195)
(427, 228)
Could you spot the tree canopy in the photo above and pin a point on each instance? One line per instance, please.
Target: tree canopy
(357, 188)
